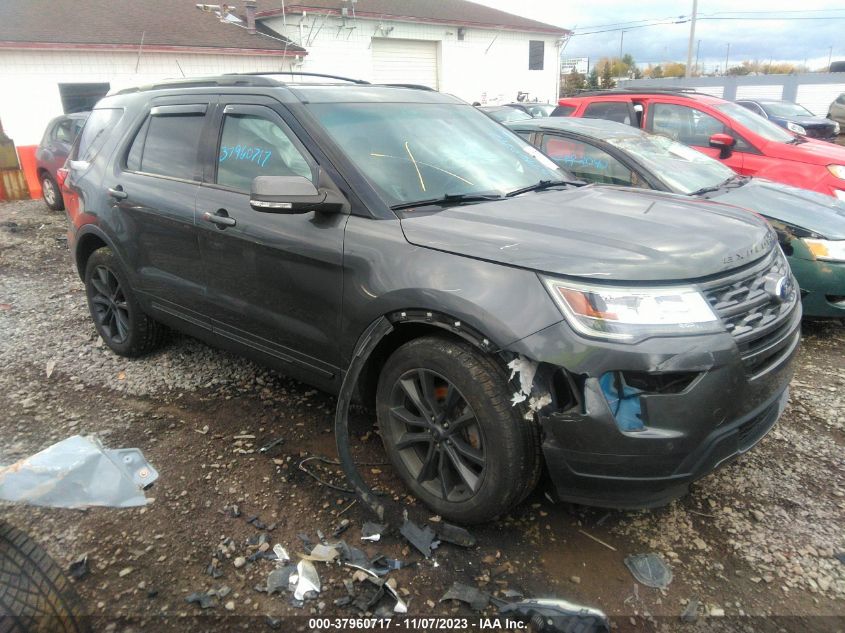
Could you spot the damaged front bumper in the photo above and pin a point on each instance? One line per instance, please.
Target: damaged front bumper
(631, 426)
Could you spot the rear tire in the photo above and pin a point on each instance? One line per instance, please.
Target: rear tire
(51, 193)
(464, 450)
(116, 313)
(35, 595)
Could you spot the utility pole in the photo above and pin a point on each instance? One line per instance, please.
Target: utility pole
(727, 55)
(622, 39)
(691, 37)
(697, 51)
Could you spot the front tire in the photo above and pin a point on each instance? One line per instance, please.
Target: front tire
(451, 432)
(118, 317)
(51, 193)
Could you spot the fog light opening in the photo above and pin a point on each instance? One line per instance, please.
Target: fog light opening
(623, 400)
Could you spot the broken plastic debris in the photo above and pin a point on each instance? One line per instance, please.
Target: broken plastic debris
(322, 553)
(525, 370)
(475, 598)
(650, 570)
(79, 568)
(421, 538)
(281, 553)
(454, 534)
(307, 580)
(690, 614)
(372, 531)
(279, 579)
(79, 472)
(558, 616)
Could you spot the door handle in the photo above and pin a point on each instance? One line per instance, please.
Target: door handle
(221, 218)
(118, 193)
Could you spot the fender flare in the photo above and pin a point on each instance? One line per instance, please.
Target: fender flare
(93, 229)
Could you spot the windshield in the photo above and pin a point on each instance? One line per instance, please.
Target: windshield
(682, 168)
(540, 109)
(785, 109)
(422, 151)
(755, 123)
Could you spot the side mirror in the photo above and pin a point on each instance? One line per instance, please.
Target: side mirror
(724, 143)
(292, 195)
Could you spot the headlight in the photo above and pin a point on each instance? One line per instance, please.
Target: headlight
(837, 170)
(836, 127)
(632, 314)
(795, 128)
(827, 250)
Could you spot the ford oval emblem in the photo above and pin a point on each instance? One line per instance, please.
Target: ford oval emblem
(779, 287)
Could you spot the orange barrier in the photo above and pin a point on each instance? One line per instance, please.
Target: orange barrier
(26, 156)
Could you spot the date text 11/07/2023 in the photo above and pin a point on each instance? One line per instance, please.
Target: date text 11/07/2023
(417, 624)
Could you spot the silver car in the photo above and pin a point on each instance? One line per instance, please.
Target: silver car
(52, 153)
(837, 110)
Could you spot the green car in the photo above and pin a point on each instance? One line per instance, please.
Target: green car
(811, 226)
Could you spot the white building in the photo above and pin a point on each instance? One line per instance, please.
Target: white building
(62, 55)
(469, 50)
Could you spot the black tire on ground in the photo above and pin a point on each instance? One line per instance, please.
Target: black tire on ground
(428, 390)
(35, 595)
(116, 313)
(51, 193)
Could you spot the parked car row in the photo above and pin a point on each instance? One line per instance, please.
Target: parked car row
(500, 315)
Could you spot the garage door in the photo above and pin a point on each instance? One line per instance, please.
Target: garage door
(398, 61)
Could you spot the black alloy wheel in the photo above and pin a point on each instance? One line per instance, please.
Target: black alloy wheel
(110, 308)
(437, 435)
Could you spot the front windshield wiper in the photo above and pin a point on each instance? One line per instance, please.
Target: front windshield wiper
(543, 184)
(736, 181)
(796, 141)
(447, 200)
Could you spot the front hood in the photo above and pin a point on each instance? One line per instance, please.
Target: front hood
(811, 151)
(810, 121)
(599, 232)
(821, 214)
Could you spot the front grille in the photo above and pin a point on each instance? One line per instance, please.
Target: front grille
(821, 131)
(758, 320)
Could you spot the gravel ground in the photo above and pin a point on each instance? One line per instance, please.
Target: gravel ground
(756, 542)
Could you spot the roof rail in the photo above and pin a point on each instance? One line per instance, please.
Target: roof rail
(201, 82)
(644, 90)
(414, 86)
(301, 74)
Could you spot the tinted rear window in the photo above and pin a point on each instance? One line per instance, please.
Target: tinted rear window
(563, 111)
(96, 131)
(167, 145)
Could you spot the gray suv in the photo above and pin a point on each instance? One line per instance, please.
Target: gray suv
(629, 341)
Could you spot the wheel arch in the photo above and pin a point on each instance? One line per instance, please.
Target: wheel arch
(89, 239)
(408, 325)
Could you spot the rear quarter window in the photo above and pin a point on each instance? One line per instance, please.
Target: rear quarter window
(95, 133)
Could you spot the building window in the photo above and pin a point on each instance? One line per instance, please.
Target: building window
(81, 97)
(536, 53)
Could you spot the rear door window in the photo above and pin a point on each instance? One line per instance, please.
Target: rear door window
(253, 145)
(619, 111)
(168, 143)
(96, 132)
(586, 161)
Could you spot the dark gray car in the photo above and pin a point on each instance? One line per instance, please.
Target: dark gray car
(52, 153)
(501, 317)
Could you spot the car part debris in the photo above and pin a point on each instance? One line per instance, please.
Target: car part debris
(204, 600)
(557, 616)
(78, 569)
(475, 598)
(454, 534)
(382, 565)
(79, 472)
(421, 538)
(649, 570)
(271, 445)
(214, 569)
(690, 614)
(322, 554)
(372, 531)
(307, 581)
(279, 579)
(342, 527)
(400, 607)
(281, 553)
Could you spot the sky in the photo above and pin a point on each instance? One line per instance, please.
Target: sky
(786, 33)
